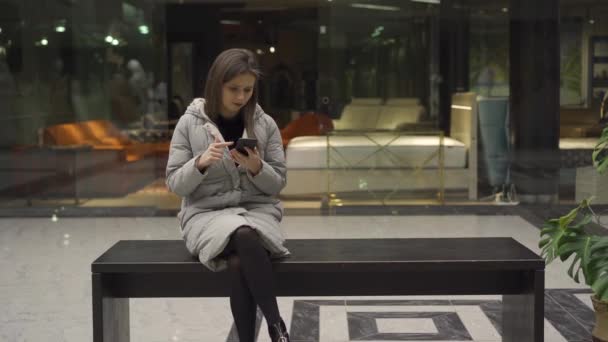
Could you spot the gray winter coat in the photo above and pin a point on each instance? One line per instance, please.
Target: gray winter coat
(225, 197)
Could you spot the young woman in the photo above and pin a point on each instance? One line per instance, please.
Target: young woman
(230, 216)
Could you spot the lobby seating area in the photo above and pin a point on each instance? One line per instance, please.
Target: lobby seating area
(386, 146)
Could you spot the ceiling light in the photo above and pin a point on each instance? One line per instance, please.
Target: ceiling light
(115, 42)
(44, 42)
(109, 39)
(377, 31)
(230, 22)
(143, 29)
(60, 28)
(272, 49)
(428, 1)
(505, 10)
(375, 7)
(462, 107)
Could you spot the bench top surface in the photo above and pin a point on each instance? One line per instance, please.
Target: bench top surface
(329, 255)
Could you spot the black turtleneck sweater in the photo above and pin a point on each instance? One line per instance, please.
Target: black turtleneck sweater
(231, 129)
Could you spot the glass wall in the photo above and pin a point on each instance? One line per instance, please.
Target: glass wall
(379, 102)
(583, 88)
(84, 103)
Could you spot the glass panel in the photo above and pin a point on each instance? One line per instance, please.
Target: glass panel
(584, 85)
(181, 76)
(379, 84)
(90, 93)
(84, 103)
(489, 79)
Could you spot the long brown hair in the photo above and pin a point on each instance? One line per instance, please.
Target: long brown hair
(228, 65)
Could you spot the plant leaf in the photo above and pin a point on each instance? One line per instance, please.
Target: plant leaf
(557, 232)
(600, 287)
(600, 155)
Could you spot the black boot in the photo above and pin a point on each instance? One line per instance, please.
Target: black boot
(278, 332)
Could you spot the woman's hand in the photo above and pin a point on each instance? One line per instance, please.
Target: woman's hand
(252, 162)
(214, 152)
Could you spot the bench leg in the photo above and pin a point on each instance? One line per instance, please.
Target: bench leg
(110, 315)
(523, 315)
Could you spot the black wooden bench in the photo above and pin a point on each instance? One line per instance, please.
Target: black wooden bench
(340, 267)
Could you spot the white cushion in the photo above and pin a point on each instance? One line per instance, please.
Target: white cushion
(402, 101)
(358, 117)
(393, 116)
(375, 150)
(366, 101)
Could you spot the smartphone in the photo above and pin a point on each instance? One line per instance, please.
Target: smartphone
(245, 142)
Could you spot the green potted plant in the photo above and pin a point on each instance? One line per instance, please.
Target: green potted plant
(566, 237)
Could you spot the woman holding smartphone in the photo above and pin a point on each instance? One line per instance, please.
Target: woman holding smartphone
(230, 216)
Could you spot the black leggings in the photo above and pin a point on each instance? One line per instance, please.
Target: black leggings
(252, 283)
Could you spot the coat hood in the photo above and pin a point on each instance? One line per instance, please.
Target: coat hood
(197, 108)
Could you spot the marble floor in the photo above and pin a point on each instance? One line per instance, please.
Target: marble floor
(45, 286)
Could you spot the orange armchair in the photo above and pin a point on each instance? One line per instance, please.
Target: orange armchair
(100, 135)
(309, 123)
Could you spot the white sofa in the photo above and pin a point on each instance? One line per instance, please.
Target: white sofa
(376, 160)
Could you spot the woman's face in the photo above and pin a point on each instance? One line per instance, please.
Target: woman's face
(236, 93)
